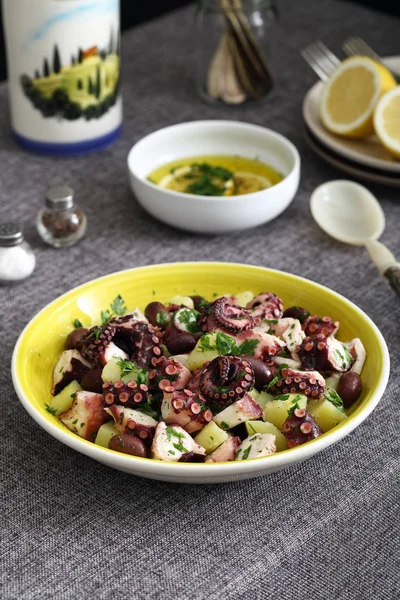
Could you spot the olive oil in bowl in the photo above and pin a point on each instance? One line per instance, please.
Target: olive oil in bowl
(216, 175)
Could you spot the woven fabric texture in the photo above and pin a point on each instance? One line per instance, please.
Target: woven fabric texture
(326, 529)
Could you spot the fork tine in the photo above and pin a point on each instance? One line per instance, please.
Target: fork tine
(320, 59)
(316, 67)
(325, 50)
(357, 47)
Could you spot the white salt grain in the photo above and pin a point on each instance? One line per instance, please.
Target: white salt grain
(16, 263)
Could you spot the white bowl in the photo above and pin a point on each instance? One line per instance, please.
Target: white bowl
(205, 214)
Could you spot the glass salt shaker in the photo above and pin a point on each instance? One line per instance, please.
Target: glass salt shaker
(61, 222)
(17, 259)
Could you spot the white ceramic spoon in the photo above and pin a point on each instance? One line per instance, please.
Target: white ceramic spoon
(348, 212)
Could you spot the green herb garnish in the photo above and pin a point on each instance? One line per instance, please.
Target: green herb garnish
(128, 367)
(246, 452)
(224, 425)
(52, 411)
(282, 397)
(224, 344)
(333, 396)
(272, 382)
(77, 323)
(248, 347)
(170, 431)
(162, 318)
(189, 318)
(180, 447)
(292, 409)
(210, 180)
(117, 307)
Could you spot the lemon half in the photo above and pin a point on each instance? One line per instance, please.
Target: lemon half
(387, 121)
(351, 94)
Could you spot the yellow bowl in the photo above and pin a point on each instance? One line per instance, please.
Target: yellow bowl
(39, 345)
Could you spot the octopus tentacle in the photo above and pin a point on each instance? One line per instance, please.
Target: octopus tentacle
(140, 341)
(185, 409)
(316, 325)
(127, 394)
(291, 381)
(168, 372)
(266, 306)
(324, 354)
(94, 343)
(226, 379)
(231, 317)
(300, 427)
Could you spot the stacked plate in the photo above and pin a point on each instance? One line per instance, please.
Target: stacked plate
(364, 159)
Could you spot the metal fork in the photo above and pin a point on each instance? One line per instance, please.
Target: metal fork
(320, 59)
(355, 46)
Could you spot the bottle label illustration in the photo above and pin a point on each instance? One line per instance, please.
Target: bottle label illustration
(85, 87)
(63, 59)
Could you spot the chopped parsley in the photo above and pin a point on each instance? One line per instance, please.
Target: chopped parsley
(162, 318)
(224, 344)
(170, 431)
(180, 447)
(247, 452)
(224, 425)
(283, 397)
(127, 367)
(96, 331)
(272, 382)
(189, 318)
(293, 408)
(333, 396)
(74, 422)
(251, 427)
(209, 180)
(117, 307)
(77, 323)
(52, 411)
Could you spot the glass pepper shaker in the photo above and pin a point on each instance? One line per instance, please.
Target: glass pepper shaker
(17, 259)
(233, 50)
(61, 222)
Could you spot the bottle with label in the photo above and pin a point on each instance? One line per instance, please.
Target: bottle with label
(63, 60)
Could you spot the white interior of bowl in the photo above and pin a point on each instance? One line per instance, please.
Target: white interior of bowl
(212, 137)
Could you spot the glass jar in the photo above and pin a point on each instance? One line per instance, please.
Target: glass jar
(61, 222)
(233, 46)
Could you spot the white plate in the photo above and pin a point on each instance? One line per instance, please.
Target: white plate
(362, 172)
(368, 151)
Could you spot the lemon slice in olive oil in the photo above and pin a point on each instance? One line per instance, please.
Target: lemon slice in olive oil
(216, 176)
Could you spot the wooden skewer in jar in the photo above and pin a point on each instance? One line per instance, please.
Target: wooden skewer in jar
(238, 70)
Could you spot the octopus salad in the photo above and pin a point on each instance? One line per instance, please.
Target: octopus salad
(194, 380)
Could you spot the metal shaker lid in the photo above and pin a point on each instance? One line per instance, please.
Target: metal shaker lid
(10, 234)
(59, 197)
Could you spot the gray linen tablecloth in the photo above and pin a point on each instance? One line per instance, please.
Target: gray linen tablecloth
(72, 528)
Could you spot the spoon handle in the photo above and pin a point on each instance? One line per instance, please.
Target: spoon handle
(392, 274)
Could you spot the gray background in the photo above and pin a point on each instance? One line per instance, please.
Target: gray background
(71, 528)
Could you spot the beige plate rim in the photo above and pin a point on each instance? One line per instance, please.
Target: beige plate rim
(356, 171)
(367, 152)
